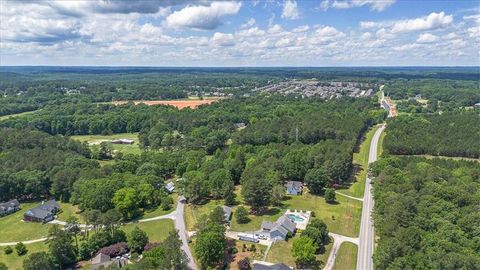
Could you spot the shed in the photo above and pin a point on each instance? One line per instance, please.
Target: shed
(170, 186)
(227, 213)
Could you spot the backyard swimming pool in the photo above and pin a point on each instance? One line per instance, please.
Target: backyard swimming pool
(296, 218)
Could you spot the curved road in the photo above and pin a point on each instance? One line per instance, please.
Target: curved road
(367, 234)
(337, 242)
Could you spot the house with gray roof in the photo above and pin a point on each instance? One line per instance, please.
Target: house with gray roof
(227, 213)
(294, 187)
(102, 261)
(280, 229)
(9, 207)
(45, 212)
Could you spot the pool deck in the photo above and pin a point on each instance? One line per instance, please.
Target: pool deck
(305, 215)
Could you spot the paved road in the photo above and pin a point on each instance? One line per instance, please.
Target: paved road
(337, 242)
(367, 235)
(182, 232)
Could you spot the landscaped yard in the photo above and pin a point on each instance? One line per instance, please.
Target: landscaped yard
(13, 228)
(15, 262)
(280, 252)
(347, 257)
(246, 251)
(124, 148)
(157, 230)
(69, 210)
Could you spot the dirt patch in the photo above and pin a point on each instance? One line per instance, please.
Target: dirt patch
(180, 104)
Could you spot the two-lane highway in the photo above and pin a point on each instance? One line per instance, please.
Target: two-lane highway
(367, 234)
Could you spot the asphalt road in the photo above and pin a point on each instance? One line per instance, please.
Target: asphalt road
(367, 234)
(182, 232)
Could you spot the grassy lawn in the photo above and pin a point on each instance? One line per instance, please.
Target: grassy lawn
(13, 229)
(124, 148)
(342, 217)
(5, 117)
(360, 161)
(157, 230)
(69, 210)
(15, 262)
(347, 257)
(280, 252)
(380, 143)
(159, 211)
(194, 212)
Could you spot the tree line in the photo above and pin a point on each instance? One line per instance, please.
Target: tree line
(426, 213)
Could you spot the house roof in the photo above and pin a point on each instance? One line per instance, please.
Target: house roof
(11, 203)
(278, 266)
(279, 228)
(285, 222)
(43, 210)
(268, 225)
(227, 212)
(100, 258)
(170, 186)
(295, 185)
(38, 213)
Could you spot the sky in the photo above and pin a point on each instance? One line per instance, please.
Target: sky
(240, 33)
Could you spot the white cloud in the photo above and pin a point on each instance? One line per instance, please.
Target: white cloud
(202, 17)
(430, 22)
(251, 22)
(427, 38)
(222, 39)
(375, 5)
(290, 10)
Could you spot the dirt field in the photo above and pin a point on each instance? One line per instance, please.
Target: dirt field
(190, 103)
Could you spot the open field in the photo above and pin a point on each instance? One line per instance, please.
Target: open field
(5, 117)
(281, 253)
(157, 230)
(94, 140)
(347, 257)
(14, 229)
(15, 262)
(180, 104)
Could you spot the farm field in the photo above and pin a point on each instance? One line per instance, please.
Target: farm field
(94, 140)
(280, 252)
(179, 103)
(347, 257)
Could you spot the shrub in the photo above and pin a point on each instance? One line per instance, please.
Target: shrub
(115, 249)
(21, 249)
(151, 245)
(8, 250)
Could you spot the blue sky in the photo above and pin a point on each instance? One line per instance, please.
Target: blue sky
(240, 33)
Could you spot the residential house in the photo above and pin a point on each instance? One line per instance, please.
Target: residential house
(280, 229)
(123, 141)
(227, 213)
(45, 212)
(294, 187)
(170, 187)
(9, 207)
(102, 261)
(239, 126)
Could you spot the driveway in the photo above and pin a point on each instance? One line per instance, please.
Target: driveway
(337, 242)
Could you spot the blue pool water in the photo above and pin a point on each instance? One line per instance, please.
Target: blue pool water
(295, 217)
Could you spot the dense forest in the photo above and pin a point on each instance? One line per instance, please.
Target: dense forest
(447, 134)
(442, 95)
(426, 213)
